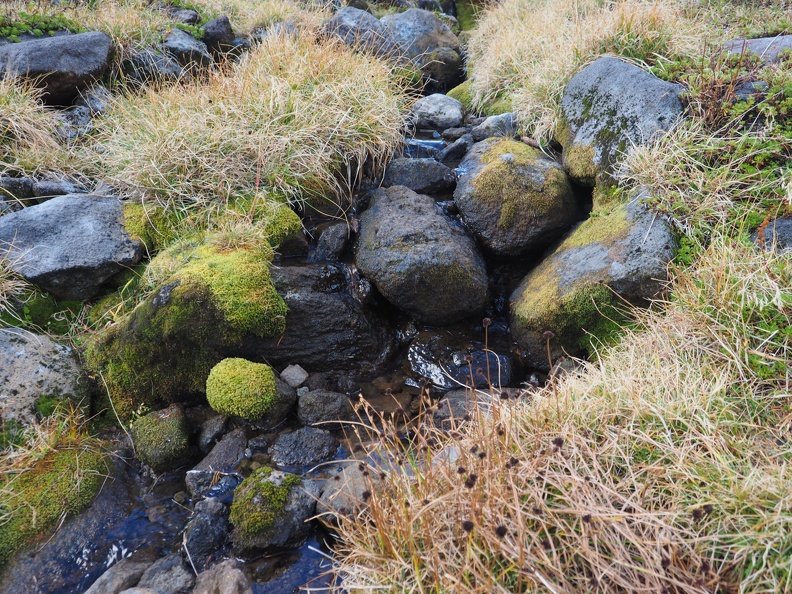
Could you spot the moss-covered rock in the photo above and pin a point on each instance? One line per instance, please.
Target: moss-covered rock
(269, 510)
(581, 291)
(210, 297)
(237, 387)
(513, 197)
(162, 438)
(63, 482)
(150, 223)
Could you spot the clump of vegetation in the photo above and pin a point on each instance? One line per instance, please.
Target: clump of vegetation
(37, 25)
(52, 471)
(162, 438)
(241, 388)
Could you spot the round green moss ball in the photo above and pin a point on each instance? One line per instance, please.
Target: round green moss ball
(236, 387)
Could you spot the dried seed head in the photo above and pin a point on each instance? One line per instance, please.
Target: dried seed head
(423, 381)
(548, 334)
(697, 514)
(665, 562)
(357, 448)
(486, 322)
(587, 518)
(461, 470)
(504, 395)
(501, 531)
(558, 442)
(470, 482)
(467, 526)
(482, 455)
(708, 509)
(365, 495)
(479, 370)
(388, 391)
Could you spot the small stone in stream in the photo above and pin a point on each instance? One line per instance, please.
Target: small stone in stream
(319, 406)
(211, 431)
(456, 150)
(223, 578)
(294, 375)
(206, 531)
(168, 574)
(332, 243)
(437, 112)
(504, 124)
(453, 134)
(124, 574)
(425, 176)
(305, 446)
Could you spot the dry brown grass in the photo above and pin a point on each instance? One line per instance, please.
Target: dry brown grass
(660, 468)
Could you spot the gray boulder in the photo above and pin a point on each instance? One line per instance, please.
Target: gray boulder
(362, 30)
(327, 326)
(69, 245)
(504, 124)
(32, 366)
(456, 150)
(95, 98)
(768, 48)
(73, 123)
(348, 490)
(430, 44)
(425, 176)
(206, 531)
(437, 112)
(777, 235)
(223, 578)
(14, 190)
(419, 259)
(186, 49)
(218, 35)
(54, 186)
(168, 575)
(150, 66)
(61, 66)
(320, 406)
(608, 107)
(332, 243)
(513, 197)
(578, 293)
(303, 447)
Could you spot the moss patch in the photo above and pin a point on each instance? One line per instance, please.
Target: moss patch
(62, 483)
(258, 504)
(152, 224)
(464, 94)
(161, 438)
(578, 160)
(605, 227)
(241, 388)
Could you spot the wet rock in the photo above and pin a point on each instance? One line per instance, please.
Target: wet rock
(211, 431)
(327, 327)
(223, 578)
(767, 48)
(61, 66)
(73, 123)
(303, 447)
(32, 366)
(168, 575)
(513, 197)
(319, 406)
(577, 293)
(347, 490)
(608, 107)
(459, 406)
(777, 236)
(437, 112)
(221, 460)
(448, 361)
(95, 98)
(294, 375)
(431, 45)
(419, 259)
(420, 175)
(421, 149)
(162, 438)
(218, 35)
(124, 574)
(150, 66)
(332, 243)
(46, 244)
(186, 49)
(206, 531)
(456, 150)
(270, 510)
(504, 124)
(362, 30)
(452, 134)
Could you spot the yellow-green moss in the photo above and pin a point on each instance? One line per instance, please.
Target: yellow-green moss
(605, 227)
(464, 94)
(258, 503)
(161, 438)
(503, 185)
(579, 162)
(150, 223)
(241, 388)
(497, 106)
(62, 483)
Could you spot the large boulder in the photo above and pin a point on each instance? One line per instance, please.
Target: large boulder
(419, 259)
(69, 245)
(33, 366)
(607, 108)
(360, 29)
(513, 197)
(578, 294)
(327, 326)
(430, 44)
(61, 66)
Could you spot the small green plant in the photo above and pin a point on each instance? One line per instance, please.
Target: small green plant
(38, 25)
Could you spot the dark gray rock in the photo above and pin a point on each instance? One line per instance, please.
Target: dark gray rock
(186, 16)
(431, 45)
(61, 66)
(31, 366)
(16, 188)
(212, 429)
(459, 406)
(332, 243)
(49, 188)
(95, 98)
(452, 134)
(504, 124)
(320, 406)
(186, 49)
(222, 459)
(150, 66)
(362, 30)
(513, 197)
(608, 107)
(437, 112)
(168, 575)
(582, 285)
(777, 235)
(348, 490)
(73, 123)
(456, 150)
(768, 48)
(124, 574)
(419, 259)
(223, 578)
(218, 35)
(206, 531)
(303, 447)
(69, 245)
(420, 175)
(327, 327)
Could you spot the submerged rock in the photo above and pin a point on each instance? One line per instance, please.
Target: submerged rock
(513, 197)
(419, 259)
(577, 293)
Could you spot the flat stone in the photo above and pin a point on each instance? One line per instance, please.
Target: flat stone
(294, 375)
(303, 447)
